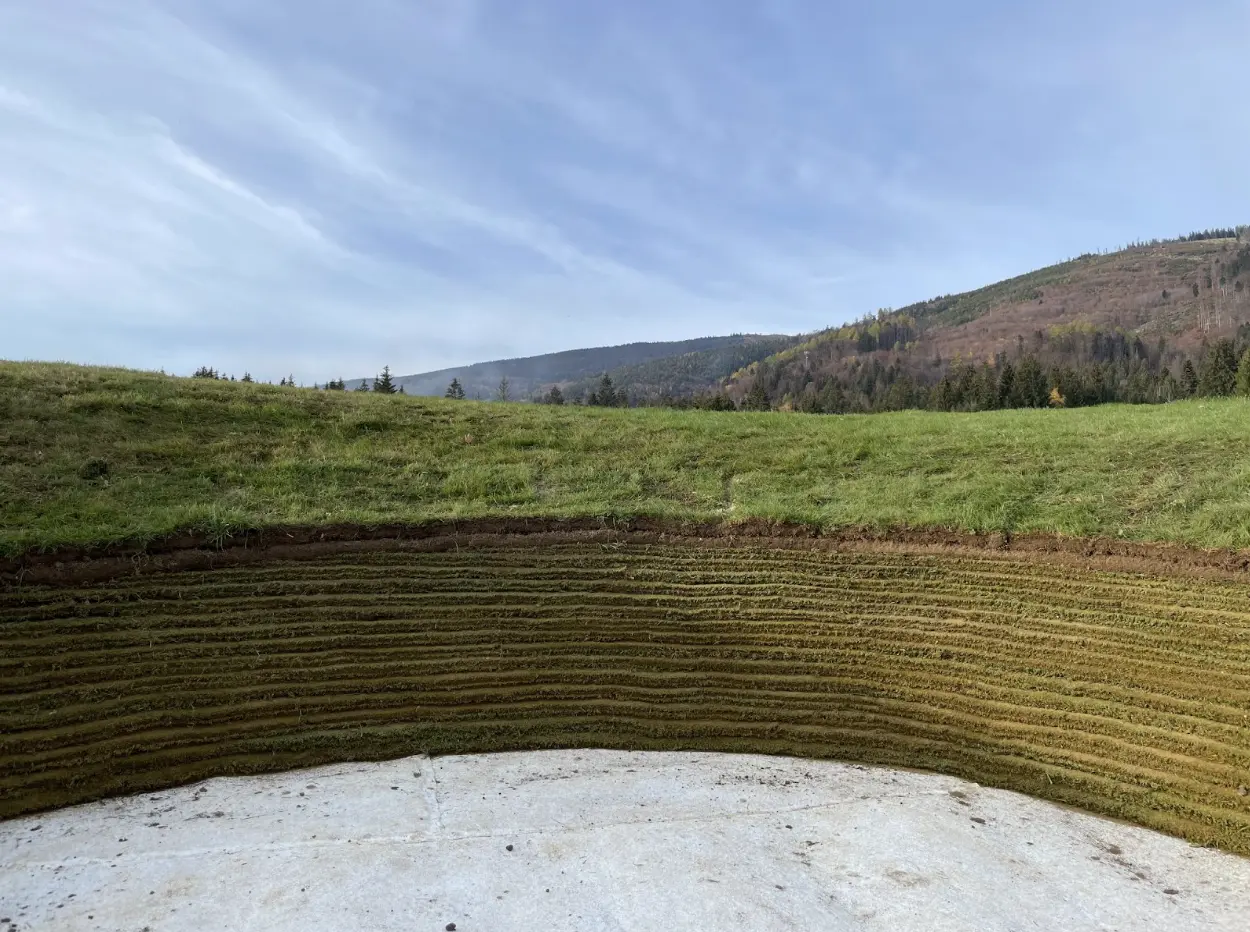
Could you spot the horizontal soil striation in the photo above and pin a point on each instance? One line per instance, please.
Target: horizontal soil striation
(75, 565)
(1124, 693)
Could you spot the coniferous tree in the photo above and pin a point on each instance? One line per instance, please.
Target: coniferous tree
(1189, 379)
(757, 397)
(363, 386)
(1031, 388)
(605, 395)
(1007, 386)
(501, 392)
(455, 390)
(384, 383)
(247, 377)
(832, 397)
(987, 390)
(554, 396)
(1219, 371)
(1243, 374)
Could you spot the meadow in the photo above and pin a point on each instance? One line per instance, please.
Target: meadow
(93, 456)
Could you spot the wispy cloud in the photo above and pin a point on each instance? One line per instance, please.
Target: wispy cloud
(281, 188)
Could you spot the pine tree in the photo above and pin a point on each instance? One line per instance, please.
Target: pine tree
(384, 383)
(1243, 374)
(832, 398)
(501, 392)
(1007, 386)
(986, 390)
(247, 377)
(363, 386)
(454, 390)
(554, 396)
(606, 394)
(1219, 371)
(757, 397)
(290, 381)
(1189, 380)
(1031, 388)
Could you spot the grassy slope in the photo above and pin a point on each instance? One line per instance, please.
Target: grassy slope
(218, 456)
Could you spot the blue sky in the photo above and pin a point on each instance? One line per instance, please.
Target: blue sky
(322, 188)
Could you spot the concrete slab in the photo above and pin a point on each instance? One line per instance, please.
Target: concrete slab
(604, 840)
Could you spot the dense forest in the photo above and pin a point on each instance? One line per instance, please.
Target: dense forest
(1069, 366)
(677, 376)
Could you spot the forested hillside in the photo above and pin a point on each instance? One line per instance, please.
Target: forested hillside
(689, 374)
(1151, 323)
(532, 375)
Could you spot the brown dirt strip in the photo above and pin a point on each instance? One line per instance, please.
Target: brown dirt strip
(74, 565)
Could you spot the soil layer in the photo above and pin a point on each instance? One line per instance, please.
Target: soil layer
(1111, 677)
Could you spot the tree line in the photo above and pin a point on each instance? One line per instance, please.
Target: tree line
(1070, 366)
(383, 383)
(1066, 367)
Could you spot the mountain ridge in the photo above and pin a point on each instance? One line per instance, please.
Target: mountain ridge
(529, 376)
(1176, 295)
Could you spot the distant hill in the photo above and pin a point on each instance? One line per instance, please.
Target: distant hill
(687, 374)
(1136, 325)
(1102, 327)
(658, 367)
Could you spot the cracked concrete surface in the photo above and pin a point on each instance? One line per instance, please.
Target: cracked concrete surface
(604, 840)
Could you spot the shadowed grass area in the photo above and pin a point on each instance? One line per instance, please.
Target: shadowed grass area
(92, 455)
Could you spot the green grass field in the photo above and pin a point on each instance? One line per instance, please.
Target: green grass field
(91, 455)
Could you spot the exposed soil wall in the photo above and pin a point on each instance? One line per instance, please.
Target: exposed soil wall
(1102, 676)
(73, 565)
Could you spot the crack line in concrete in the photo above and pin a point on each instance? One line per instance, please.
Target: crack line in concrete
(427, 838)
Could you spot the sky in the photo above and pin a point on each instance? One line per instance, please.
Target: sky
(321, 188)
